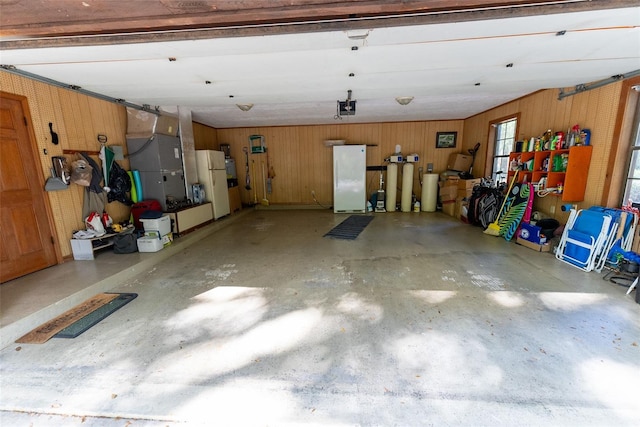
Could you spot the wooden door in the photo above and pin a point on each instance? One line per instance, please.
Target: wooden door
(26, 238)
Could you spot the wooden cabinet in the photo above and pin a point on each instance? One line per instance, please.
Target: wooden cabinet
(187, 219)
(234, 200)
(568, 168)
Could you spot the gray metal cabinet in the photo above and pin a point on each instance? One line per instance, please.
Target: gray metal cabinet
(159, 161)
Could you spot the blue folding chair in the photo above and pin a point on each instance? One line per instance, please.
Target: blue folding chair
(621, 230)
(584, 238)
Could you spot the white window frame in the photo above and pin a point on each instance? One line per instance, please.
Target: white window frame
(505, 132)
(632, 180)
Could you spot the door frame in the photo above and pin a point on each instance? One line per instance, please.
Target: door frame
(33, 144)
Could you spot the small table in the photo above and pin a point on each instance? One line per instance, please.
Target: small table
(84, 249)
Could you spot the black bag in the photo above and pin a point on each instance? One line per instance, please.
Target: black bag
(484, 205)
(125, 242)
(120, 185)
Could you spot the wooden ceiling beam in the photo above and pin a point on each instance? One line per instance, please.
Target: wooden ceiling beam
(64, 23)
(65, 18)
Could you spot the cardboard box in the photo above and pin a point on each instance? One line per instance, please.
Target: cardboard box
(459, 162)
(167, 239)
(468, 184)
(448, 193)
(144, 124)
(167, 125)
(536, 247)
(465, 193)
(461, 203)
(449, 207)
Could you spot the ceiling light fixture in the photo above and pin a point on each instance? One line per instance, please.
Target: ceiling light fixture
(358, 36)
(245, 107)
(347, 107)
(404, 100)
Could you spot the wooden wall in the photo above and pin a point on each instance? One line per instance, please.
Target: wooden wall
(302, 163)
(205, 137)
(596, 109)
(77, 119)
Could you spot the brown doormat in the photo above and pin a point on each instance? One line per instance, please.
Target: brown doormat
(42, 333)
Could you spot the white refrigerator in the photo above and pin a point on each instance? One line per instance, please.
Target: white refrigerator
(349, 178)
(212, 174)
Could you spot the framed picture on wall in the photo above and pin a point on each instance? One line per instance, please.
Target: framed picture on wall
(446, 139)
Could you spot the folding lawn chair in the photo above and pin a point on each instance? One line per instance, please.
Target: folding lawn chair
(584, 238)
(620, 234)
(633, 285)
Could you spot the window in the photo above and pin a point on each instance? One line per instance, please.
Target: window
(505, 136)
(632, 187)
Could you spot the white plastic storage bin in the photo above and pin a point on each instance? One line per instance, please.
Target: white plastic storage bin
(162, 225)
(149, 244)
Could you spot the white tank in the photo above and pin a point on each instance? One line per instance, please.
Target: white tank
(429, 192)
(392, 185)
(407, 187)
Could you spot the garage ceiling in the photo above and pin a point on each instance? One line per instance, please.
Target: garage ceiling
(294, 63)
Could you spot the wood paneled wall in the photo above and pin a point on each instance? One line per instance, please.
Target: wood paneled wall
(596, 110)
(205, 137)
(77, 119)
(303, 163)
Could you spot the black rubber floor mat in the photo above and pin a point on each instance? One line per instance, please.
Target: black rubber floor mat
(95, 317)
(350, 228)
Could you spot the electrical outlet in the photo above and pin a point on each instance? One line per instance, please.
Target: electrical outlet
(552, 209)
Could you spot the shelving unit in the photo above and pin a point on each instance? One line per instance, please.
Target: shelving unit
(568, 167)
(84, 249)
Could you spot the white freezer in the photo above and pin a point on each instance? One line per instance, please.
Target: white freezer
(212, 175)
(210, 159)
(349, 178)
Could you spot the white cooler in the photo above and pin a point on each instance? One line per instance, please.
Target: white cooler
(160, 225)
(149, 244)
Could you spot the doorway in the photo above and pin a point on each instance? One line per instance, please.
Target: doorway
(27, 243)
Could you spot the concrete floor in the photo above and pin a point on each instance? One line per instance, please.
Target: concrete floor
(258, 320)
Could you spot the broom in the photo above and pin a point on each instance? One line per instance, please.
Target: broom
(494, 228)
(264, 201)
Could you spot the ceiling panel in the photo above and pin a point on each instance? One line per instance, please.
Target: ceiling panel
(297, 78)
